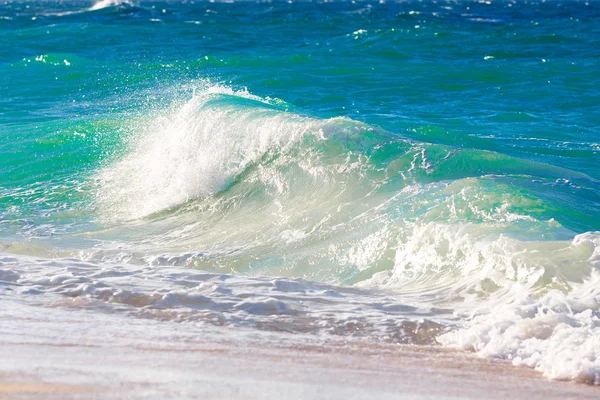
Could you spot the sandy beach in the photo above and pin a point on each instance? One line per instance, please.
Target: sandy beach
(52, 353)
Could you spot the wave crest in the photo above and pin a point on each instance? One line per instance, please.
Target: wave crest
(197, 151)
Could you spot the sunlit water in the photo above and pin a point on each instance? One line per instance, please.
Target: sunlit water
(421, 172)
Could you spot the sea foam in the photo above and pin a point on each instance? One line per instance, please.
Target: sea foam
(556, 332)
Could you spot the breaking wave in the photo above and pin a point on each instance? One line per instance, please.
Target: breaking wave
(230, 182)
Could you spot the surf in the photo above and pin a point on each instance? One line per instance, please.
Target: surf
(377, 183)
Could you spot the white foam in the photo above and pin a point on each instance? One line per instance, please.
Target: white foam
(109, 3)
(99, 5)
(556, 332)
(535, 303)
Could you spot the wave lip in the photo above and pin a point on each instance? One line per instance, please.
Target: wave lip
(98, 6)
(196, 152)
(110, 3)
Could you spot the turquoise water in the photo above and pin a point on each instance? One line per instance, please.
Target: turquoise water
(514, 79)
(444, 151)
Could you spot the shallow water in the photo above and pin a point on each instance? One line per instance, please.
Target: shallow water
(414, 172)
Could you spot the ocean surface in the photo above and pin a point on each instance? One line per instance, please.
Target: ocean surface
(420, 172)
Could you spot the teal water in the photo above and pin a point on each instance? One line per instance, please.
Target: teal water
(514, 79)
(445, 151)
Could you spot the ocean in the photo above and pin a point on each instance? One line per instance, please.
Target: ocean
(422, 173)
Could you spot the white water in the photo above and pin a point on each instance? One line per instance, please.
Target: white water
(526, 308)
(196, 152)
(300, 229)
(556, 332)
(109, 3)
(99, 5)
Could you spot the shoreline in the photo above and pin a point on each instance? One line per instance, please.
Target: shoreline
(117, 363)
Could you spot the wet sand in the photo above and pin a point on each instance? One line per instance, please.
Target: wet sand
(118, 367)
